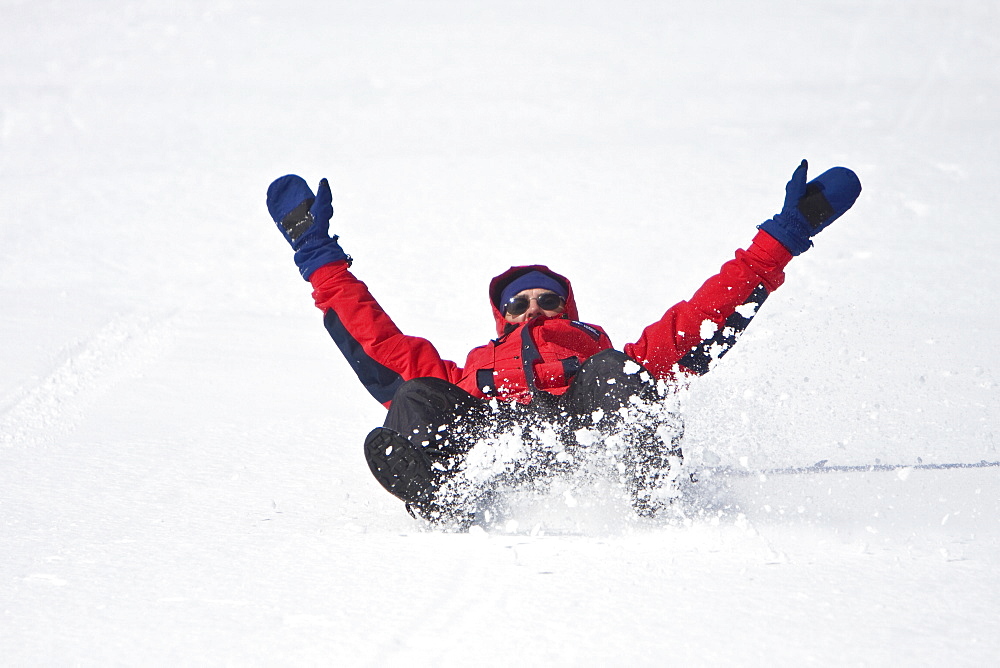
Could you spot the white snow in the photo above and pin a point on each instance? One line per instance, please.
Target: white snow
(181, 473)
(707, 329)
(748, 310)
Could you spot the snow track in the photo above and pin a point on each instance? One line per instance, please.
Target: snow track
(85, 371)
(821, 467)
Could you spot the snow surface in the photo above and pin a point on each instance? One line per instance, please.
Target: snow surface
(181, 477)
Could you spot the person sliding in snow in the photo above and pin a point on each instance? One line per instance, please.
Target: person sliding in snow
(546, 368)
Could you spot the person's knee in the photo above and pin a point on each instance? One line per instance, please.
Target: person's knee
(610, 379)
(421, 388)
(428, 403)
(612, 363)
(609, 355)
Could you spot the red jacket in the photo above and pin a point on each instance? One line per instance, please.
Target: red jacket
(543, 354)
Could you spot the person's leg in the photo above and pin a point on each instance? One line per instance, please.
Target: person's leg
(431, 424)
(615, 395)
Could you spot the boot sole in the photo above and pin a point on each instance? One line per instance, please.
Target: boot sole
(399, 466)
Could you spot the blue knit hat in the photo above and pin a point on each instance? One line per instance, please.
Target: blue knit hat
(531, 281)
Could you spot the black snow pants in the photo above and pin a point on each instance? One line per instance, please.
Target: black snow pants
(440, 422)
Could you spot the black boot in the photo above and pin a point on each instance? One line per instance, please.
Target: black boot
(416, 474)
(406, 471)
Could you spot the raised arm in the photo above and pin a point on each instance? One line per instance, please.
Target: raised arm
(693, 334)
(381, 356)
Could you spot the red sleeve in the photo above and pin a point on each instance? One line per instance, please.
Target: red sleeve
(381, 355)
(694, 333)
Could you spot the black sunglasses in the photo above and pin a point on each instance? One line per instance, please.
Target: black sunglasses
(547, 301)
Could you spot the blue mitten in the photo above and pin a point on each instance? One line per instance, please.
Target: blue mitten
(811, 207)
(304, 220)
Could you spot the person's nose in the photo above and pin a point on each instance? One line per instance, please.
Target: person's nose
(534, 309)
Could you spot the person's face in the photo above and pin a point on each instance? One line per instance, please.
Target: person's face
(534, 309)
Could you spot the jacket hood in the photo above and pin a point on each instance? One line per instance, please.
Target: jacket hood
(500, 282)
